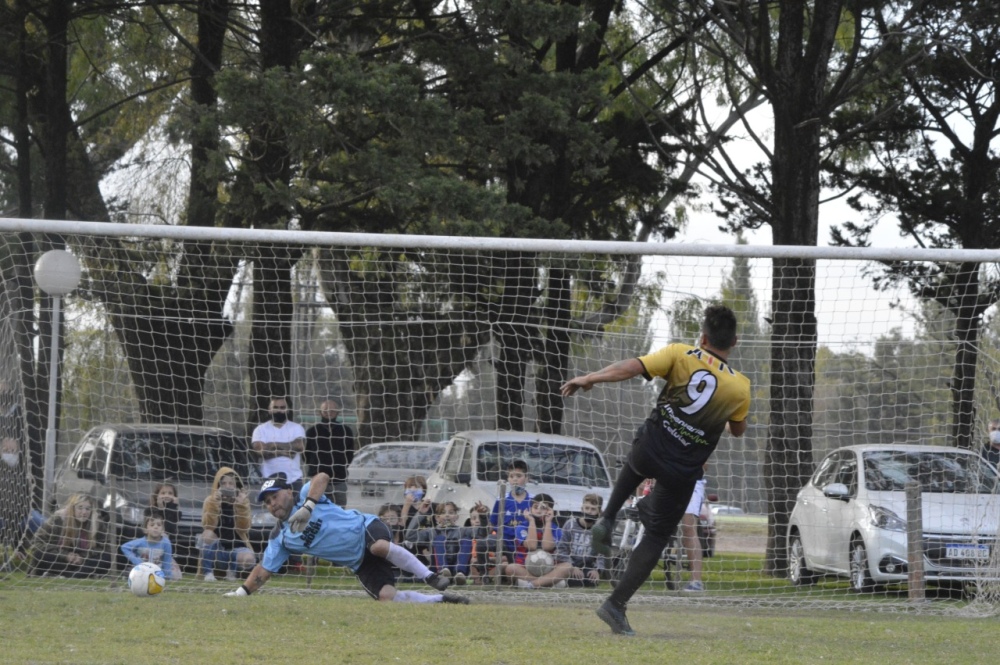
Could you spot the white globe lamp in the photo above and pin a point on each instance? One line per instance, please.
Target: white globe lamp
(57, 273)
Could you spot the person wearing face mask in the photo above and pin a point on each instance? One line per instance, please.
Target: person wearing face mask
(18, 520)
(414, 502)
(991, 451)
(280, 443)
(330, 449)
(575, 562)
(575, 565)
(507, 515)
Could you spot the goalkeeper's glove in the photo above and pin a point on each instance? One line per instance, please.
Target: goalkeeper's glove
(242, 591)
(297, 522)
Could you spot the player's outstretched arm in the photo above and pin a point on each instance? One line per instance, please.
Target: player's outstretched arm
(619, 371)
(258, 578)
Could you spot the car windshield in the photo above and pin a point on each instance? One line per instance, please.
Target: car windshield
(398, 457)
(547, 463)
(176, 455)
(948, 472)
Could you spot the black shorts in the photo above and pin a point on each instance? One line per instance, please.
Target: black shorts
(374, 571)
(661, 511)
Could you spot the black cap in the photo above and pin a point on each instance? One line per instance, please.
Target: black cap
(272, 484)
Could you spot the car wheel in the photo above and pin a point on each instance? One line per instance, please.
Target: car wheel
(797, 571)
(861, 579)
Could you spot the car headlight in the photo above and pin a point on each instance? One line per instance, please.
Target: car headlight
(883, 518)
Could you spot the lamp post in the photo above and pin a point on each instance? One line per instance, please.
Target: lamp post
(57, 273)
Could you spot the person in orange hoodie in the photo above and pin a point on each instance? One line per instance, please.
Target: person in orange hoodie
(225, 518)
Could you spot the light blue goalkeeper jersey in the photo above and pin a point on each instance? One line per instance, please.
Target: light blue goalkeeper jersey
(333, 534)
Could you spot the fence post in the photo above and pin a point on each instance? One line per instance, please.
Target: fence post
(915, 542)
(113, 526)
(498, 554)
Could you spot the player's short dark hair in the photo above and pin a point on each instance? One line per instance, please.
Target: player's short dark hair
(720, 327)
(519, 465)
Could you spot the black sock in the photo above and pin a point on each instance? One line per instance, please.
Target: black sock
(623, 490)
(642, 562)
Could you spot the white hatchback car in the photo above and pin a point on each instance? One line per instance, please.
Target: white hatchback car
(564, 467)
(850, 518)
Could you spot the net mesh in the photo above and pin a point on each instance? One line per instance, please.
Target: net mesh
(173, 347)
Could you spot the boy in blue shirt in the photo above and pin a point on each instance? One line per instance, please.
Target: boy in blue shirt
(155, 547)
(507, 515)
(309, 523)
(515, 505)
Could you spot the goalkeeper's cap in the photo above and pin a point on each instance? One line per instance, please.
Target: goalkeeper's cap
(272, 484)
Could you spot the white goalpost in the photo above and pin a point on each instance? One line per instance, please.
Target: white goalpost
(176, 339)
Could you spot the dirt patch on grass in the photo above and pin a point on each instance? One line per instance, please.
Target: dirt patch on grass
(741, 542)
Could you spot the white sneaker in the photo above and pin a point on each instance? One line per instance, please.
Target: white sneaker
(561, 584)
(231, 576)
(209, 577)
(525, 584)
(459, 579)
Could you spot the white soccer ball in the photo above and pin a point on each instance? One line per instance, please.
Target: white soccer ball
(539, 562)
(146, 579)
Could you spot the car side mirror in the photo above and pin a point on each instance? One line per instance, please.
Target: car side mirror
(91, 475)
(836, 491)
(463, 478)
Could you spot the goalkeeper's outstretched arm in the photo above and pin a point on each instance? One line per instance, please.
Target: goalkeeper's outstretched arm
(258, 578)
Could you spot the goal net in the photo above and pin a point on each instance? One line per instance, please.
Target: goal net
(177, 342)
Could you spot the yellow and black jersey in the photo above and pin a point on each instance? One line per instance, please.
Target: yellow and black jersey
(702, 394)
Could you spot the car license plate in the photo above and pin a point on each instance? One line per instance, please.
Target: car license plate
(977, 552)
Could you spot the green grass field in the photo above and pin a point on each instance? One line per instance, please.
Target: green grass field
(47, 621)
(80, 626)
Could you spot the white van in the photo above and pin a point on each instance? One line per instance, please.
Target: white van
(564, 467)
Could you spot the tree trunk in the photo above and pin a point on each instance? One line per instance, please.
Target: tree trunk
(788, 458)
(267, 164)
(270, 333)
(555, 353)
(402, 358)
(514, 335)
(968, 322)
(168, 357)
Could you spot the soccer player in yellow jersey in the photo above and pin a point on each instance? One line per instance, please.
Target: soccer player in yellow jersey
(703, 397)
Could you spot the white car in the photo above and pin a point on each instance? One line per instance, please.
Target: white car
(850, 518)
(564, 467)
(379, 470)
(723, 509)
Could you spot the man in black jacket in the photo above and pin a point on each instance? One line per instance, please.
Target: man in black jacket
(330, 449)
